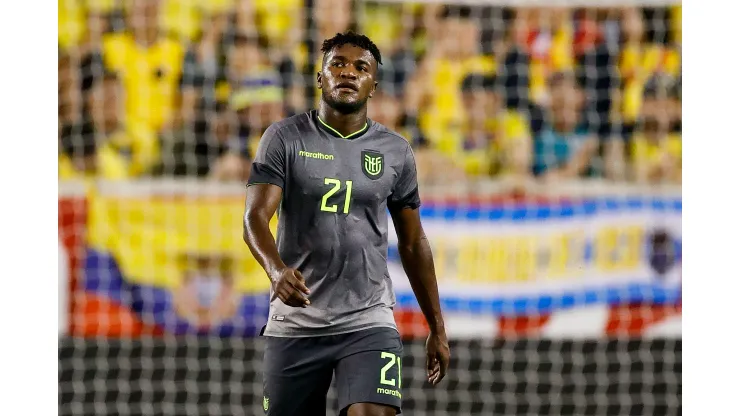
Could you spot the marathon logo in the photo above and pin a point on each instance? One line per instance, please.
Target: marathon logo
(315, 155)
(389, 392)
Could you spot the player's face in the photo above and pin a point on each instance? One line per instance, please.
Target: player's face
(347, 79)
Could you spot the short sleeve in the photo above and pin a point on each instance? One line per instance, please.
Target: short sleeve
(269, 161)
(406, 190)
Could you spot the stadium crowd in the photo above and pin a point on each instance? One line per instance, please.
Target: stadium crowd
(186, 87)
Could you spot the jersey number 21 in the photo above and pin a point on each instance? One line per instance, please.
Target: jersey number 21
(336, 184)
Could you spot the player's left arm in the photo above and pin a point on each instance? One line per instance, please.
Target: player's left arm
(418, 263)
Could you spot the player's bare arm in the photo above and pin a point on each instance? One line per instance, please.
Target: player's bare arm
(288, 284)
(416, 257)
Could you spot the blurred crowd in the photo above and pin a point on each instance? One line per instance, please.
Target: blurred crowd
(186, 87)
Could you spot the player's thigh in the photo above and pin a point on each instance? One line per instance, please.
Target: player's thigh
(296, 378)
(373, 375)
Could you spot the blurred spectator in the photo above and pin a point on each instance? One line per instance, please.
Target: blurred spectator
(246, 56)
(219, 143)
(332, 17)
(280, 21)
(640, 59)
(192, 152)
(656, 150)
(204, 69)
(513, 71)
(258, 101)
(149, 64)
(564, 149)
(207, 295)
(181, 19)
(81, 21)
(433, 95)
(675, 103)
(387, 110)
(71, 21)
(68, 95)
(106, 146)
(496, 140)
(597, 57)
(82, 26)
(550, 47)
(281, 25)
(97, 15)
(390, 26)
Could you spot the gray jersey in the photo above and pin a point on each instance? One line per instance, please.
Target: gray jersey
(333, 220)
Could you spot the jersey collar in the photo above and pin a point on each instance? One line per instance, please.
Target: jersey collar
(329, 129)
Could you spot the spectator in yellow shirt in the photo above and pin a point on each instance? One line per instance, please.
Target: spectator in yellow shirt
(258, 100)
(550, 47)
(640, 60)
(107, 147)
(656, 150)
(496, 140)
(204, 70)
(433, 94)
(387, 109)
(149, 65)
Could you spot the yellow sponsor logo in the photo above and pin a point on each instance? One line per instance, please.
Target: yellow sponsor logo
(315, 155)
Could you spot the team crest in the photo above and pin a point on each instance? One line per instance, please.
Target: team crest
(372, 164)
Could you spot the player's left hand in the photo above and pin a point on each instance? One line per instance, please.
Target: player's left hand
(438, 357)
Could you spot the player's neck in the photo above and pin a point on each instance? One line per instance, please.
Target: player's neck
(345, 124)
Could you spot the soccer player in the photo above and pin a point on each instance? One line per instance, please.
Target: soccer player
(334, 174)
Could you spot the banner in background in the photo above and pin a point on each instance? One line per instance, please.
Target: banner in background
(157, 264)
(536, 259)
(178, 263)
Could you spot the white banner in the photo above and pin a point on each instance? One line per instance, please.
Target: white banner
(543, 257)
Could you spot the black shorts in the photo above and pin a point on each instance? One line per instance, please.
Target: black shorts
(298, 371)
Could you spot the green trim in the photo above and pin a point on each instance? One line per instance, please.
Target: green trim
(340, 134)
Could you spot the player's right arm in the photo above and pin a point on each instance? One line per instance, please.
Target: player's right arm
(264, 192)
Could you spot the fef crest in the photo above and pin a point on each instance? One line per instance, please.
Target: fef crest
(372, 164)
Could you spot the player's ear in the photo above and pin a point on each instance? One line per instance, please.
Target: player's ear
(318, 80)
(375, 87)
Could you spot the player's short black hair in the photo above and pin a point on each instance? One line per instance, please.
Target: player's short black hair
(352, 38)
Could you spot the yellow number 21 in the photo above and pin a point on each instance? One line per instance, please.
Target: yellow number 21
(336, 184)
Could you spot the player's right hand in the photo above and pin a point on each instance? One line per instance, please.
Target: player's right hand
(289, 285)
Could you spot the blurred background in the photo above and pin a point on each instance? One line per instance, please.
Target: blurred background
(548, 143)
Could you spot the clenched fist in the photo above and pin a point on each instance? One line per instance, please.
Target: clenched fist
(289, 285)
